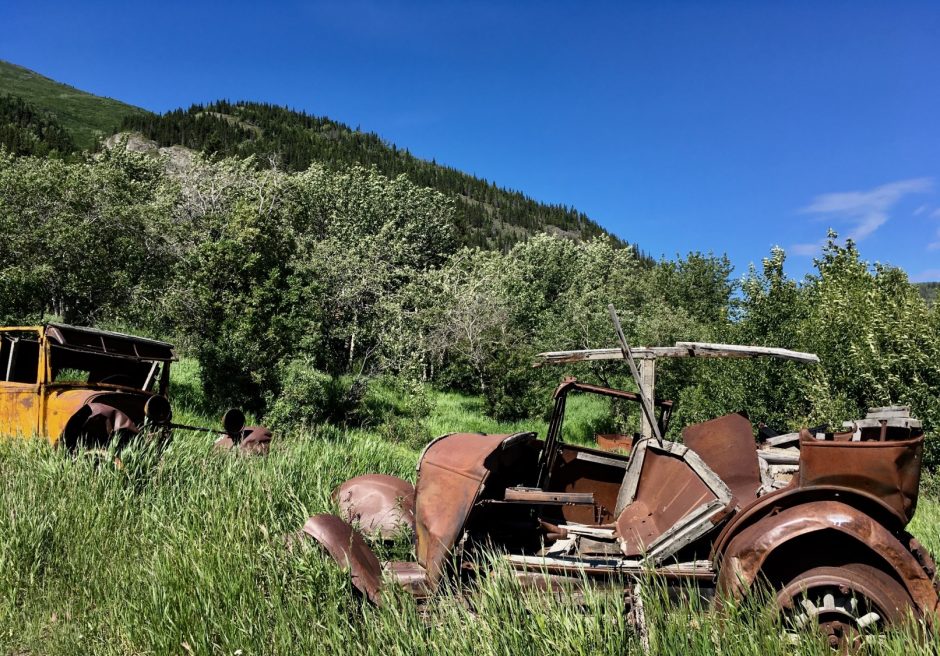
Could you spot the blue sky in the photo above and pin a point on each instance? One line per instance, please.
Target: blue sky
(715, 126)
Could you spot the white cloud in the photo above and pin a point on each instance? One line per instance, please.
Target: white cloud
(920, 210)
(865, 211)
(935, 245)
(935, 214)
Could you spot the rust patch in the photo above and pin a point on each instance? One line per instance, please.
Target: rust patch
(727, 446)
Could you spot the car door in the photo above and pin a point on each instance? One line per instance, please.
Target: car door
(20, 392)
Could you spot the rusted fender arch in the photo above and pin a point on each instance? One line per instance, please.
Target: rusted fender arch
(791, 496)
(380, 505)
(741, 561)
(349, 549)
(97, 422)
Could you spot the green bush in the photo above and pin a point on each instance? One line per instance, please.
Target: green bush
(514, 390)
(309, 396)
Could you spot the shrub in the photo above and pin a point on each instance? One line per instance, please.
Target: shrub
(310, 396)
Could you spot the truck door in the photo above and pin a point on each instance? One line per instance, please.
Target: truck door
(20, 394)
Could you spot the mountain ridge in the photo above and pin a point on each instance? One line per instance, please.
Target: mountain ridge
(487, 215)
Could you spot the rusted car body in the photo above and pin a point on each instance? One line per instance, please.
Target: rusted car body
(82, 386)
(831, 543)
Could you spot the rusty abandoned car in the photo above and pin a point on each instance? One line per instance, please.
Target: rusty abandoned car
(830, 542)
(83, 387)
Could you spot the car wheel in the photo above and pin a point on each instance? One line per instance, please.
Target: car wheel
(850, 604)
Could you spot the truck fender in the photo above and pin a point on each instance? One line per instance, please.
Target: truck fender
(379, 505)
(744, 558)
(349, 549)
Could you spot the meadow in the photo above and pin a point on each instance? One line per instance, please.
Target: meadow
(183, 553)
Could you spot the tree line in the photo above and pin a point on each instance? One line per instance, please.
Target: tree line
(485, 215)
(297, 290)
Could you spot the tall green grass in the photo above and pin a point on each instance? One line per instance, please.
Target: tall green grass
(183, 552)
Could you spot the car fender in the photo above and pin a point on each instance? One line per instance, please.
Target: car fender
(741, 561)
(349, 549)
(380, 505)
(794, 496)
(101, 420)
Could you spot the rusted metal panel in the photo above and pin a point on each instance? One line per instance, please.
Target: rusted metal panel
(888, 470)
(744, 557)
(19, 410)
(727, 446)
(450, 477)
(667, 491)
(576, 472)
(410, 576)
(348, 548)
(614, 442)
(254, 440)
(380, 505)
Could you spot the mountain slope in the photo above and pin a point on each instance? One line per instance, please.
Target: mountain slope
(929, 290)
(84, 115)
(487, 216)
(27, 130)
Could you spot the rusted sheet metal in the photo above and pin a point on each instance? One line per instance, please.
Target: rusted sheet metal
(255, 440)
(348, 548)
(667, 491)
(727, 446)
(747, 553)
(792, 496)
(450, 476)
(888, 470)
(378, 504)
(104, 420)
(410, 576)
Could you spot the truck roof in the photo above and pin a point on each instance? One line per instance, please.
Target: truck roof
(106, 342)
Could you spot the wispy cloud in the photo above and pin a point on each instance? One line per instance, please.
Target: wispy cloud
(863, 211)
(930, 275)
(935, 214)
(920, 210)
(935, 245)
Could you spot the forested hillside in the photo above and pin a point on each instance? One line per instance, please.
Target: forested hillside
(485, 215)
(87, 117)
(26, 130)
(929, 290)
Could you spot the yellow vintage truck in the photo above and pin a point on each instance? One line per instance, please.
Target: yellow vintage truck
(77, 386)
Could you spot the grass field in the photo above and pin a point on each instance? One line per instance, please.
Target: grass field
(184, 554)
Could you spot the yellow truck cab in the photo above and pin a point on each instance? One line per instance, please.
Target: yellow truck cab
(65, 383)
